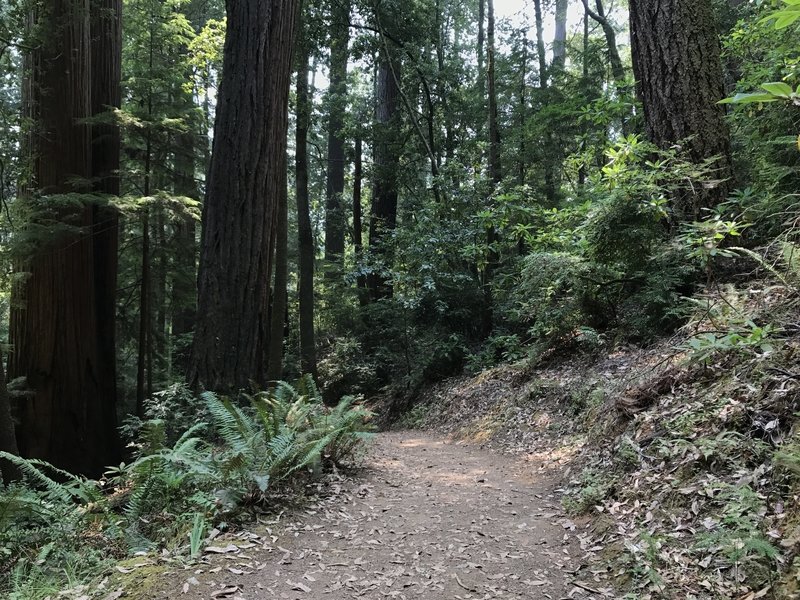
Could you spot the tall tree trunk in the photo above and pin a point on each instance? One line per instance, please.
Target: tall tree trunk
(160, 341)
(358, 225)
(585, 73)
(481, 51)
(8, 438)
(617, 68)
(144, 358)
(540, 47)
(676, 60)
(279, 298)
(142, 369)
(560, 38)
(495, 168)
(306, 250)
(62, 322)
(184, 281)
(442, 90)
(383, 213)
(523, 110)
(242, 195)
(337, 103)
(106, 34)
(544, 75)
(495, 171)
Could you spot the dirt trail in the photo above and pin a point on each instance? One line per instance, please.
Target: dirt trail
(427, 519)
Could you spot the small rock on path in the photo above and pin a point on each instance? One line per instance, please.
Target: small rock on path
(429, 519)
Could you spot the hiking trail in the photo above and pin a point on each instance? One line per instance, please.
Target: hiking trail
(425, 519)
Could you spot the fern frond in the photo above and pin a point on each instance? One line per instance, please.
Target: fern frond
(306, 386)
(33, 469)
(235, 428)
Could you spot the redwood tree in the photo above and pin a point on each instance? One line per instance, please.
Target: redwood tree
(337, 97)
(62, 321)
(676, 61)
(560, 37)
(242, 195)
(8, 438)
(279, 299)
(386, 157)
(306, 249)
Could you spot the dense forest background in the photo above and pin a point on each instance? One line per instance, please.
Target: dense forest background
(201, 195)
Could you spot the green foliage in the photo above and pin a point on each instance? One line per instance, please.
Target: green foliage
(706, 239)
(173, 490)
(496, 348)
(196, 536)
(175, 409)
(785, 16)
(553, 294)
(752, 337)
(589, 490)
(51, 528)
(737, 539)
(610, 264)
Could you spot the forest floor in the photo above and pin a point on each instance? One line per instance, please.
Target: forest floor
(424, 518)
(683, 464)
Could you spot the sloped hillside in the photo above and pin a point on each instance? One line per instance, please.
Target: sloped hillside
(682, 459)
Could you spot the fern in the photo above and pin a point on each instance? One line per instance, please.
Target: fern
(283, 432)
(764, 264)
(157, 478)
(308, 388)
(234, 427)
(73, 489)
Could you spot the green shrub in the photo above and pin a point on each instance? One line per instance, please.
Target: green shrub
(591, 488)
(53, 524)
(176, 406)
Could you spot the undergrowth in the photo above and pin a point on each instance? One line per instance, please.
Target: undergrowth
(696, 460)
(58, 530)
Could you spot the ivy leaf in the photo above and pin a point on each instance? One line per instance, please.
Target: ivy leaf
(750, 98)
(779, 89)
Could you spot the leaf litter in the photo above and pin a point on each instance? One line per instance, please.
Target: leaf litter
(427, 519)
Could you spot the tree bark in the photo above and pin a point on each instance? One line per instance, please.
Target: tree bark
(481, 55)
(335, 220)
(495, 172)
(383, 212)
(62, 318)
(106, 34)
(184, 280)
(442, 87)
(306, 249)
(614, 59)
(523, 110)
(358, 226)
(676, 60)
(540, 47)
(495, 167)
(8, 438)
(560, 38)
(242, 195)
(279, 299)
(106, 44)
(144, 316)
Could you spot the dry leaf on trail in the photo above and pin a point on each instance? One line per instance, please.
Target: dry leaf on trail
(225, 592)
(297, 586)
(220, 550)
